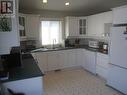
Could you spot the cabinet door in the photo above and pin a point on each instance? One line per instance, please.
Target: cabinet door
(73, 30)
(63, 59)
(71, 26)
(71, 58)
(95, 25)
(42, 61)
(82, 23)
(53, 61)
(32, 26)
(90, 61)
(80, 57)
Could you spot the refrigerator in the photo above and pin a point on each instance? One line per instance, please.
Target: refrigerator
(117, 73)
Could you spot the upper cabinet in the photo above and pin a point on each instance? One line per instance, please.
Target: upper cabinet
(98, 24)
(71, 26)
(82, 23)
(32, 24)
(75, 26)
(28, 26)
(120, 15)
(22, 23)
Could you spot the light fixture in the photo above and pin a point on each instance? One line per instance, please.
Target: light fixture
(67, 3)
(44, 1)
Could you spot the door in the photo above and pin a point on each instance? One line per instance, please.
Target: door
(118, 47)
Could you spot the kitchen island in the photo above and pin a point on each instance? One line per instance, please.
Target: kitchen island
(28, 79)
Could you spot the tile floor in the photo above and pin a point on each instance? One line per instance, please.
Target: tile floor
(75, 82)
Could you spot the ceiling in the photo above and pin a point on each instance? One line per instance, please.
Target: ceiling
(75, 5)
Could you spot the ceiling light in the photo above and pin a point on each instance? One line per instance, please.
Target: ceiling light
(67, 3)
(45, 1)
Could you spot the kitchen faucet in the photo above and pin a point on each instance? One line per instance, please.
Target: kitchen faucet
(54, 42)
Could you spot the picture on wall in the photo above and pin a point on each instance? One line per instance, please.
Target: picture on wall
(5, 24)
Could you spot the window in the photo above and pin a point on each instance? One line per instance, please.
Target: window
(51, 32)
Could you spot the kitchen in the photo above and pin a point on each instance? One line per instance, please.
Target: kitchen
(83, 43)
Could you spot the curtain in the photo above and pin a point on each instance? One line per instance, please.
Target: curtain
(51, 32)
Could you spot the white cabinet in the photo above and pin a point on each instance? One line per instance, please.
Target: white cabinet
(80, 55)
(71, 57)
(75, 26)
(82, 26)
(96, 23)
(120, 15)
(89, 61)
(42, 61)
(102, 65)
(71, 26)
(63, 59)
(53, 60)
(32, 26)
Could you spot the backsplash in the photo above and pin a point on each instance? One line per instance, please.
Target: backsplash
(83, 41)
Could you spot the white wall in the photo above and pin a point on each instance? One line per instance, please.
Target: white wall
(96, 23)
(9, 39)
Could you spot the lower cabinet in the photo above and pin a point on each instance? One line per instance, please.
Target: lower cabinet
(89, 61)
(80, 57)
(102, 65)
(71, 54)
(42, 59)
(63, 59)
(53, 61)
(94, 62)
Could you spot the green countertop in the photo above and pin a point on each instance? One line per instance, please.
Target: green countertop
(29, 69)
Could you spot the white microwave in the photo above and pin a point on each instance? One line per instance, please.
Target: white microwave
(93, 44)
